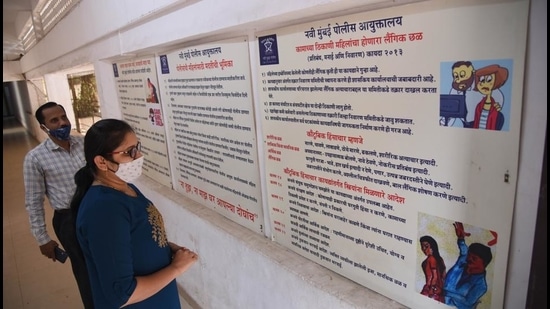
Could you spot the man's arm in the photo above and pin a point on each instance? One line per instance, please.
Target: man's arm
(35, 192)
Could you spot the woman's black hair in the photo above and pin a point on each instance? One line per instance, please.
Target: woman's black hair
(102, 137)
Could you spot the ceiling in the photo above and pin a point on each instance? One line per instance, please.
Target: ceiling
(27, 21)
(14, 10)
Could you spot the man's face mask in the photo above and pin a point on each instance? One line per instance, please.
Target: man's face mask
(62, 133)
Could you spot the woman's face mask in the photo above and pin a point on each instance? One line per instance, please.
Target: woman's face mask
(130, 171)
(62, 133)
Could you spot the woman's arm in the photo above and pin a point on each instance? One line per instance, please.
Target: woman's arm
(149, 285)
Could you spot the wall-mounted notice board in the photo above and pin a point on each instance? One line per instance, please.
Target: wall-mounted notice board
(391, 145)
(211, 130)
(139, 98)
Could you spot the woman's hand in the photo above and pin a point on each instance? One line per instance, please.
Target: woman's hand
(183, 258)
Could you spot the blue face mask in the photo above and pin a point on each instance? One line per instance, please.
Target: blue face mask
(62, 133)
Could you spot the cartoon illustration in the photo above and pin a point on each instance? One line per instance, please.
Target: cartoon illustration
(466, 282)
(460, 93)
(152, 96)
(448, 270)
(152, 116)
(463, 76)
(434, 269)
(155, 117)
(487, 112)
(458, 107)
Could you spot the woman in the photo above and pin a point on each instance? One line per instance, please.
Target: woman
(152, 97)
(121, 233)
(489, 79)
(434, 269)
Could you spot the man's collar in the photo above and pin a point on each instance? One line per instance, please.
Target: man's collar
(53, 145)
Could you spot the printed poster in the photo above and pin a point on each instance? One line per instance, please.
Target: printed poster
(392, 142)
(212, 135)
(139, 97)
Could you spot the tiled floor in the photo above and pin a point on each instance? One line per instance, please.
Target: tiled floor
(31, 281)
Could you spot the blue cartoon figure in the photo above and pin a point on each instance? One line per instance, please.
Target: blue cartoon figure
(466, 282)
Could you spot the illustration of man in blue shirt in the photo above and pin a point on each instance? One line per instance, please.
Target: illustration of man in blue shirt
(465, 283)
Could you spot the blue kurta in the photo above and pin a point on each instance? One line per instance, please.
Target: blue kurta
(123, 237)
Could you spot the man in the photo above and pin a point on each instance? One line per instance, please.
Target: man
(463, 78)
(48, 171)
(465, 283)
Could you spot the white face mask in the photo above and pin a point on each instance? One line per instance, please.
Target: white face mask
(130, 171)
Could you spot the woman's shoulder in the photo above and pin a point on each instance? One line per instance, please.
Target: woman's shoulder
(104, 202)
(102, 197)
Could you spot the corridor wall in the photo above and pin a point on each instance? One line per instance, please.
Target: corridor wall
(183, 216)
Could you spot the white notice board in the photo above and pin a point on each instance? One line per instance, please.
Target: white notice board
(212, 134)
(139, 98)
(370, 146)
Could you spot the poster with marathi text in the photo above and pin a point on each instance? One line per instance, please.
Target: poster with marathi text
(212, 134)
(139, 98)
(392, 141)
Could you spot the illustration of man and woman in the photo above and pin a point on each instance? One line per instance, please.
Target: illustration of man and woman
(480, 89)
(465, 282)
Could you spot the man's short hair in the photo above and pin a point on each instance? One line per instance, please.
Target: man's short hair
(482, 251)
(40, 116)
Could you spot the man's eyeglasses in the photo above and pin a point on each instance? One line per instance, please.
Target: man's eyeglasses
(132, 152)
